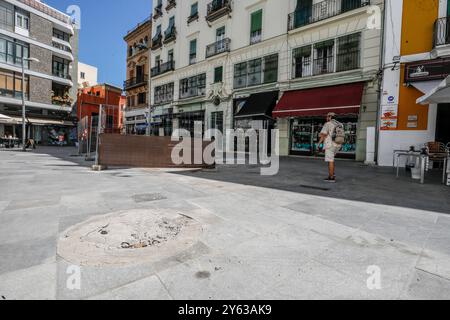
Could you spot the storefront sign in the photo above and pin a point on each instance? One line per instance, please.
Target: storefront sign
(389, 117)
(427, 70)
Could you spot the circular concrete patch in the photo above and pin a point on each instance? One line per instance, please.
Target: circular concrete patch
(129, 237)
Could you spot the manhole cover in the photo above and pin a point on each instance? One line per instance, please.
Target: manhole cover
(129, 237)
(148, 197)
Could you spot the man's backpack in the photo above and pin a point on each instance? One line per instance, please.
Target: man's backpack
(339, 133)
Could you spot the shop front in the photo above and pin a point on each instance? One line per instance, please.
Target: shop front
(305, 113)
(47, 132)
(255, 112)
(440, 96)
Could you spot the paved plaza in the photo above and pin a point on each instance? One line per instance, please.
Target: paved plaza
(226, 233)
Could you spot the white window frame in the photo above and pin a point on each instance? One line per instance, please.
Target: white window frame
(24, 18)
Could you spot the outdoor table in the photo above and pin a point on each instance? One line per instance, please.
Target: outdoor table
(423, 159)
(394, 157)
(9, 142)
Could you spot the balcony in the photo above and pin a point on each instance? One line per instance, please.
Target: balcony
(62, 47)
(170, 35)
(192, 58)
(321, 11)
(171, 4)
(441, 32)
(217, 9)
(65, 101)
(135, 82)
(256, 37)
(192, 18)
(218, 47)
(61, 74)
(158, 12)
(163, 68)
(157, 43)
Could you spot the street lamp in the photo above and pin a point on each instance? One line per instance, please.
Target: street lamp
(24, 126)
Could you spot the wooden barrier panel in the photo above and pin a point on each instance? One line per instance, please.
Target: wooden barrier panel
(117, 150)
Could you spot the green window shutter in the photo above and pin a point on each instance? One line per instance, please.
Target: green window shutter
(193, 48)
(256, 23)
(194, 9)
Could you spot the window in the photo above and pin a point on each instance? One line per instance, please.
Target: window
(11, 84)
(193, 86)
(170, 55)
(256, 27)
(171, 28)
(324, 57)
(194, 10)
(142, 98)
(61, 35)
(302, 62)
(240, 75)
(60, 67)
(22, 21)
(271, 69)
(217, 121)
(13, 51)
(218, 74)
(256, 72)
(348, 54)
(6, 16)
(193, 51)
(164, 93)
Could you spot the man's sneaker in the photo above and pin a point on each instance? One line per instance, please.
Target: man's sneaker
(330, 180)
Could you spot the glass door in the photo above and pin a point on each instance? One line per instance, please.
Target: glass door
(302, 137)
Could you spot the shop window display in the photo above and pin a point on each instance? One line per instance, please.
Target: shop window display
(305, 134)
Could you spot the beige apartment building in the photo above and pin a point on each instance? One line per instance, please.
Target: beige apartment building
(137, 85)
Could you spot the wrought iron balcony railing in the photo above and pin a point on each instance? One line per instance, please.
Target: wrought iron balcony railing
(170, 35)
(157, 43)
(171, 4)
(163, 68)
(135, 82)
(441, 32)
(217, 9)
(218, 47)
(158, 12)
(322, 10)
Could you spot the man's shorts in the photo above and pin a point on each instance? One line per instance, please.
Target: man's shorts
(330, 153)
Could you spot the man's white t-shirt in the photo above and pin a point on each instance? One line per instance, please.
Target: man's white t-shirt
(328, 129)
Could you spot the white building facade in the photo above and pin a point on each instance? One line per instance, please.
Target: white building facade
(87, 75)
(233, 64)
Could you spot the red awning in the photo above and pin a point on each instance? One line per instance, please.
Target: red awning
(342, 99)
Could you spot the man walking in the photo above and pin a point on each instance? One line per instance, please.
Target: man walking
(333, 136)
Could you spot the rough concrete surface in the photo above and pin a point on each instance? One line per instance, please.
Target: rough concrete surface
(252, 237)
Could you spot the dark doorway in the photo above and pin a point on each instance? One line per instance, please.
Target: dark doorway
(443, 123)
